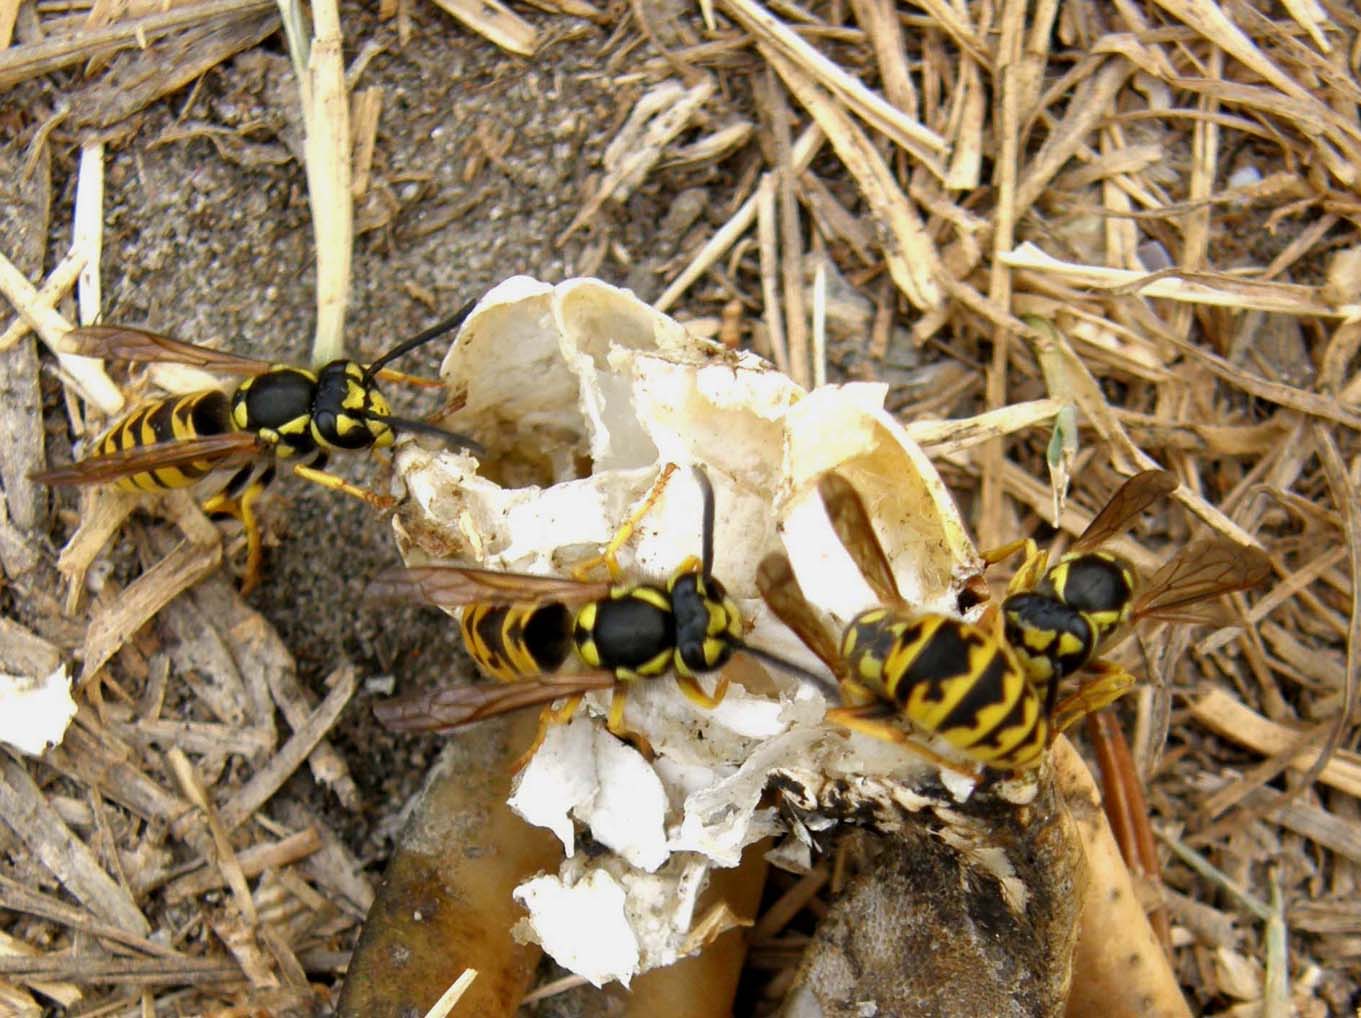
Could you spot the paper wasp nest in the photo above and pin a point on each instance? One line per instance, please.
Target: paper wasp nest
(582, 395)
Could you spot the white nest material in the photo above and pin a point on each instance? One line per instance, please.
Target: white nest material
(35, 710)
(583, 378)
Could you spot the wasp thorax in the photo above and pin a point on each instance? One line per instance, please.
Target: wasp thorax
(1097, 584)
(708, 622)
(341, 414)
(630, 633)
(278, 406)
(1052, 639)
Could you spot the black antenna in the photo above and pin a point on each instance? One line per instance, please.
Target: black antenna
(766, 657)
(421, 428)
(434, 332)
(707, 531)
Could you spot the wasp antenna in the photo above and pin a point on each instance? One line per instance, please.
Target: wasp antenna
(766, 657)
(420, 339)
(707, 527)
(421, 428)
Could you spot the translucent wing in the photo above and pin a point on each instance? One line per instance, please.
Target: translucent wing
(782, 594)
(1129, 500)
(443, 710)
(127, 344)
(455, 586)
(1203, 570)
(851, 520)
(231, 449)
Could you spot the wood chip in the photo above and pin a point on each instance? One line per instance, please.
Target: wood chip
(923, 143)
(144, 597)
(85, 373)
(805, 149)
(26, 811)
(655, 120)
(136, 80)
(367, 107)
(253, 861)
(1230, 719)
(911, 256)
(496, 23)
(19, 63)
(269, 778)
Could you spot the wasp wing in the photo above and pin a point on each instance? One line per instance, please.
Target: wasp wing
(215, 451)
(851, 520)
(1203, 570)
(785, 598)
(123, 343)
(443, 710)
(457, 586)
(1129, 500)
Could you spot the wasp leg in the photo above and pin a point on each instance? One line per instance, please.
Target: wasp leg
(694, 692)
(548, 717)
(1108, 683)
(331, 481)
(609, 557)
(403, 378)
(995, 555)
(853, 694)
(241, 507)
(615, 723)
(868, 719)
(991, 621)
(1036, 562)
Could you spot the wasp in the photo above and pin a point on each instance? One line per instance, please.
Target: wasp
(948, 677)
(523, 629)
(1058, 618)
(228, 442)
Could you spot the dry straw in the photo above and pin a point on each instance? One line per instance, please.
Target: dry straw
(1145, 211)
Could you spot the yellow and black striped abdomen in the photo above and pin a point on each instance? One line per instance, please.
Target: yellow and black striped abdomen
(193, 415)
(517, 641)
(952, 679)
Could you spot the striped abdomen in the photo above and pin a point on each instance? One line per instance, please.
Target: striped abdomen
(193, 415)
(952, 679)
(517, 641)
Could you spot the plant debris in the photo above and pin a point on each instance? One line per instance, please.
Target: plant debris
(1136, 219)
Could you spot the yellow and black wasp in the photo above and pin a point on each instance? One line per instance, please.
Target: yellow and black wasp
(1058, 618)
(948, 677)
(229, 441)
(522, 629)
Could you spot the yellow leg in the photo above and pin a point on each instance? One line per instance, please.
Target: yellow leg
(854, 695)
(334, 483)
(855, 719)
(615, 722)
(241, 508)
(548, 717)
(1105, 684)
(1036, 562)
(991, 621)
(694, 692)
(401, 377)
(995, 555)
(609, 557)
(1031, 570)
